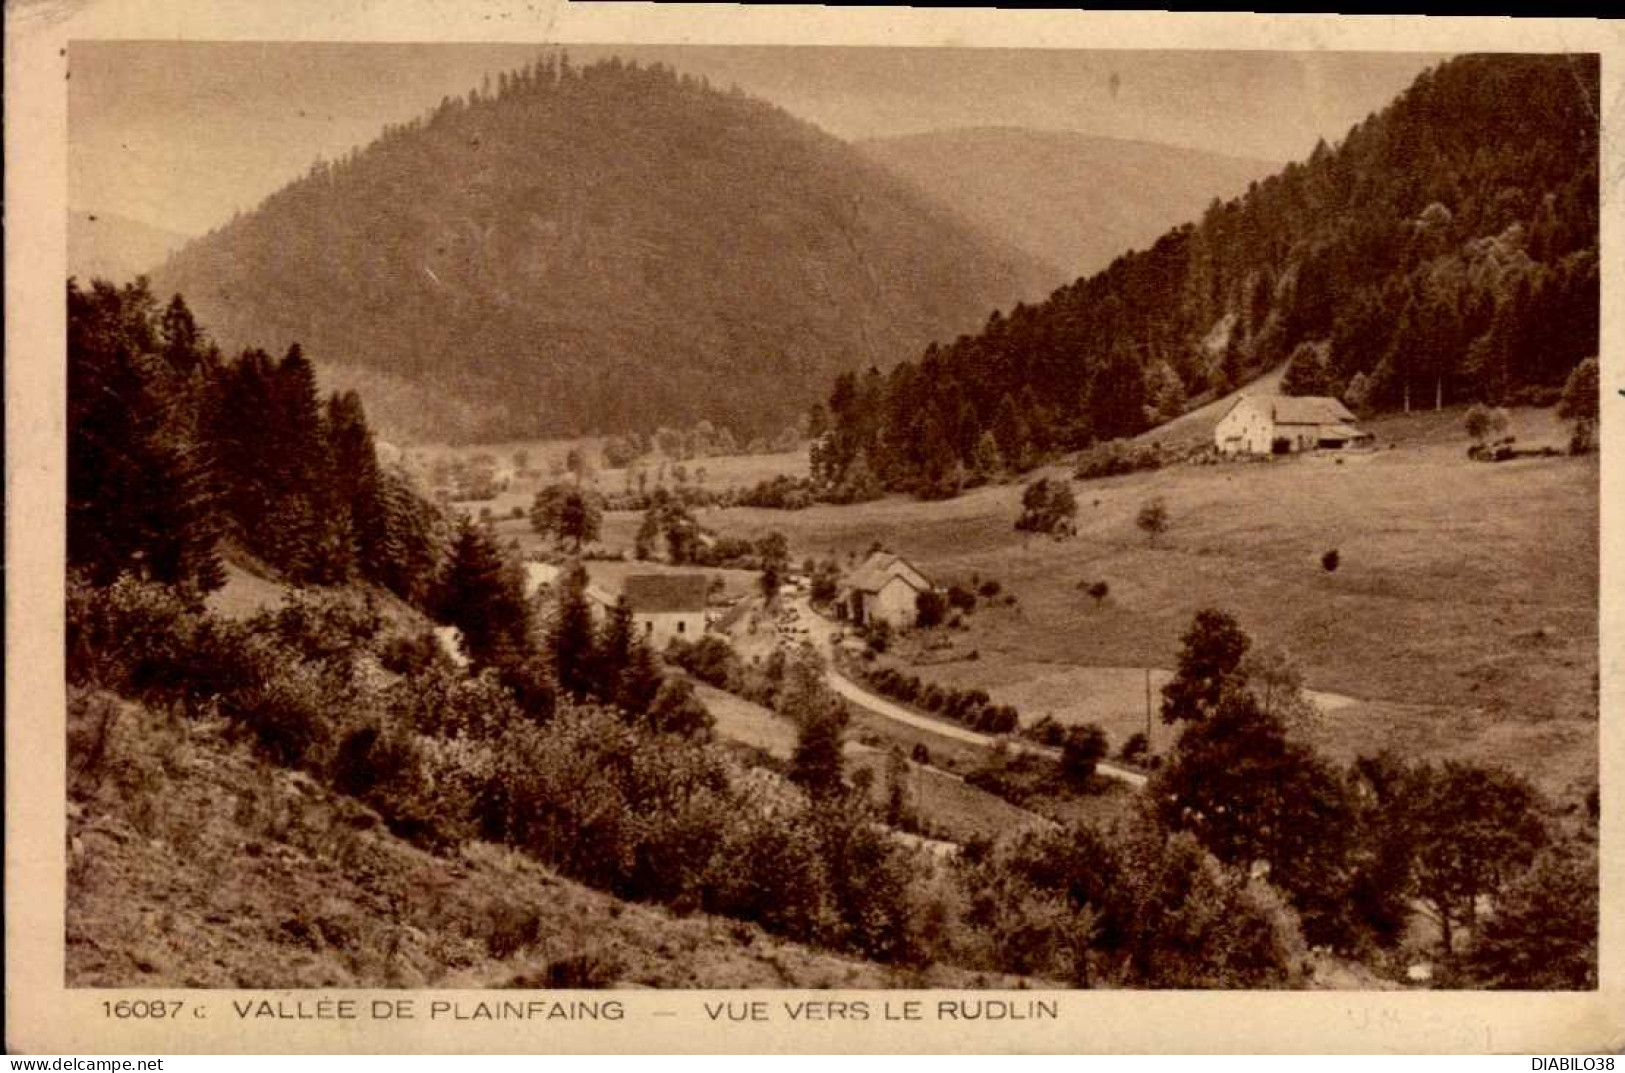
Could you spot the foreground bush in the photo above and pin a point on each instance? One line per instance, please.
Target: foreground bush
(1542, 933)
(1131, 906)
(151, 642)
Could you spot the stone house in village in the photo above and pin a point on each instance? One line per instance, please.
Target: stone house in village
(1280, 424)
(663, 606)
(884, 589)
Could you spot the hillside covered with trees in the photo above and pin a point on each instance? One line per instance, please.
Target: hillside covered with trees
(1444, 251)
(609, 248)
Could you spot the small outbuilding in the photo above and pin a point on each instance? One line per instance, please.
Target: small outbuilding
(1282, 424)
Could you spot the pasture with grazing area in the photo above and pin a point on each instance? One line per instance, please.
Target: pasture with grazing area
(1461, 620)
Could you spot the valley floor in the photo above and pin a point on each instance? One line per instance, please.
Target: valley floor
(1461, 621)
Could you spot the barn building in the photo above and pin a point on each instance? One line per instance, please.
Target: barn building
(663, 606)
(885, 589)
(1278, 424)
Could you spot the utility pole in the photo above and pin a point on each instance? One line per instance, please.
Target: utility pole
(1148, 709)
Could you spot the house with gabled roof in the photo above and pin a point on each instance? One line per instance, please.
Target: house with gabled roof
(663, 606)
(1280, 424)
(885, 589)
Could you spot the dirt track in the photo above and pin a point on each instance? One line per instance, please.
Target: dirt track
(883, 707)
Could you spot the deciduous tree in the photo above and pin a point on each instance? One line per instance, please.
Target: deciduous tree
(1082, 750)
(567, 513)
(930, 608)
(1251, 793)
(1475, 828)
(1209, 667)
(820, 719)
(1048, 506)
(677, 710)
(1484, 423)
(1541, 932)
(1580, 404)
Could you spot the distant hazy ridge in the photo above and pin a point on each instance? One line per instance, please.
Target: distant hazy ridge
(106, 245)
(1074, 200)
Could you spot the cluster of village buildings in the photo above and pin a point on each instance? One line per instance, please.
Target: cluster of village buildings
(669, 605)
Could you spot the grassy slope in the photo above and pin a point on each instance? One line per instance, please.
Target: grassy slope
(245, 594)
(194, 864)
(748, 723)
(251, 587)
(1463, 617)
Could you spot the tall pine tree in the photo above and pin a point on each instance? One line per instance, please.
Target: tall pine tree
(141, 497)
(483, 596)
(357, 484)
(572, 642)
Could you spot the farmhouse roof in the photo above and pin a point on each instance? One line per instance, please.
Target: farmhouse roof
(1296, 409)
(878, 569)
(657, 593)
(1347, 432)
(1309, 410)
(666, 592)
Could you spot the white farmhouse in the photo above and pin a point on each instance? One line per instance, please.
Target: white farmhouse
(1271, 424)
(884, 588)
(663, 606)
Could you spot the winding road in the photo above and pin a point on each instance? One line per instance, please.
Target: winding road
(880, 706)
(824, 631)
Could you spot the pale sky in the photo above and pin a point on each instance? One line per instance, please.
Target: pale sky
(180, 135)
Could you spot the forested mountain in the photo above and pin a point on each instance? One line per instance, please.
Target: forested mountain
(602, 249)
(106, 245)
(1444, 251)
(1071, 199)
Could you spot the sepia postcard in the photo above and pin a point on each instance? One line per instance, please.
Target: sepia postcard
(556, 527)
